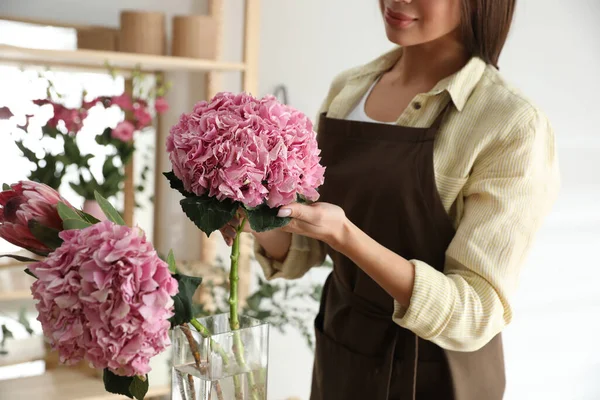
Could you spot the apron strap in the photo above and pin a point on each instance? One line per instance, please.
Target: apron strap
(410, 366)
(391, 365)
(415, 365)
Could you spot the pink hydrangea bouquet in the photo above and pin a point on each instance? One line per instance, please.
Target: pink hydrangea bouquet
(239, 152)
(236, 151)
(103, 294)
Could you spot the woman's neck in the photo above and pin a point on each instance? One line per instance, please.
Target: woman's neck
(428, 63)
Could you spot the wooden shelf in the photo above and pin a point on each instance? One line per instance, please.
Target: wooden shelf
(93, 59)
(65, 384)
(15, 284)
(25, 350)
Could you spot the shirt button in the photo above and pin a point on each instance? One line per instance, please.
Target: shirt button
(417, 105)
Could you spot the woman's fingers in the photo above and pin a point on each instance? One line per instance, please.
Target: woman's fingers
(228, 233)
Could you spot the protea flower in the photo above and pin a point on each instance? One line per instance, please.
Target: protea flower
(24, 202)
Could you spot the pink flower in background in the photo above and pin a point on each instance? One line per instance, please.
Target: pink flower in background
(5, 113)
(123, 131)
(72, 118)
(28, 201)
(41, 102)
(246, 149)
(25, 126)
(105, 101)
(105, 296)
(161, 105)
(123, 101)
(142, 117)
(140, 103)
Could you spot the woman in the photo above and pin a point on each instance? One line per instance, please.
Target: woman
(438, 176)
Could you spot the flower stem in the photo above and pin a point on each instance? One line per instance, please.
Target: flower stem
(234, 278)
(193, 345)
(191, 384)
(234, 323)
(216, 347)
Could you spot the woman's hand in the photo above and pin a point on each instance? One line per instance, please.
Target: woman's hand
(229, 231)
(276, 243)
(322, 221)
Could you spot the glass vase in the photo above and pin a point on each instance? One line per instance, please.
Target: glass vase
(218, 363)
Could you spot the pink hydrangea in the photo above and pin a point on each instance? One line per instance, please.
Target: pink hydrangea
(246, 149)
(105, 296)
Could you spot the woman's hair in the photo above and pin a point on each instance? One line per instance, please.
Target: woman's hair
(485, 27)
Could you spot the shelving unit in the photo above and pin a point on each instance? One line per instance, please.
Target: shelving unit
(14, 283)
(69, 383)
(94, 59)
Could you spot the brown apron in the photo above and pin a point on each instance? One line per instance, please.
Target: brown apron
(383, 177)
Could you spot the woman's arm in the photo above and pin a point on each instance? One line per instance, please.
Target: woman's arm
(275, 244)
(510, 190)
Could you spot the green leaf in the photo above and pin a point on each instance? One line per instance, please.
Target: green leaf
(104, 138)
(263, 218)
(301, 199)
(24, 321)
(6, 333)
(79, 189)
(30, 155)
(85, 160)
(65, 212)
(87, 217)
(19, 258)
(268, 290)
(208, 213)
(6, 186)
(75, 224)
(28, 272)
(177, 184)
(171, 261)
(46, 235)
(117, 384)
(126, 151)
(108, 168)
(110, 212)
(112, 184)
(262, 314)
(183, 299)
(139, 387)
(50, 131)
(317, 292)
(72, 152)
(253, 302)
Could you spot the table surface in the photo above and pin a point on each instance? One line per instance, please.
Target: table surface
(64, 384)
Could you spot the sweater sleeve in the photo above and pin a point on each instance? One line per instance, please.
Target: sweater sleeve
(509, 192)
(304, 254)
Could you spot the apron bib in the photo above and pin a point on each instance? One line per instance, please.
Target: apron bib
(383, 177)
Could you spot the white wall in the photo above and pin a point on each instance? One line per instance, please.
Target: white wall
(552, 55)
(552, 350)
